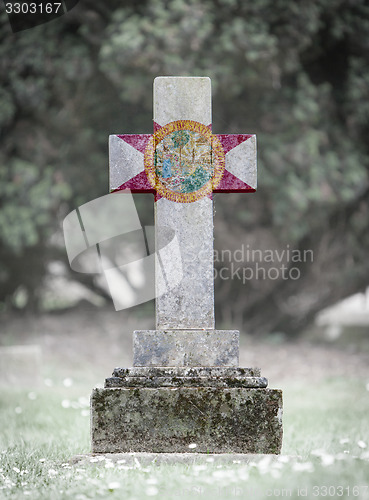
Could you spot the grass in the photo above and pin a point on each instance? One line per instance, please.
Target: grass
(325, 451)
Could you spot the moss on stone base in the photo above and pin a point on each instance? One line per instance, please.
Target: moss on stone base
(231, 420)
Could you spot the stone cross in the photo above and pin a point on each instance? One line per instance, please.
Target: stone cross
(183, 164)
(185, 391)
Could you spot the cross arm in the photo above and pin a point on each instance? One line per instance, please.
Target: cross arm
(240, 174)
(126, 161)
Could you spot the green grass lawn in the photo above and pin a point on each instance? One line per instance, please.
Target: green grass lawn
(325, 451)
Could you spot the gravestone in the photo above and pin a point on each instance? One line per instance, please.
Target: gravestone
(185, 387)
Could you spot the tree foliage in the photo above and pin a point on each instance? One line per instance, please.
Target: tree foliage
(294, 73)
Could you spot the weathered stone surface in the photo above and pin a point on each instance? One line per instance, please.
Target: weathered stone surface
(191, 303)
(186, 377)
(125, 162)
(255, 382)
(186, 371)
(168, 420)
(241, 162)
(185, 348)
(182, 98)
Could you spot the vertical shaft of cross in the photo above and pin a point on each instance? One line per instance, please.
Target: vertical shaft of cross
(190, 305)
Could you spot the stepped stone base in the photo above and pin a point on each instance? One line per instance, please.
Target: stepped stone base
(162, 410)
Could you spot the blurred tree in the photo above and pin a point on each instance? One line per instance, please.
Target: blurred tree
(296, 74)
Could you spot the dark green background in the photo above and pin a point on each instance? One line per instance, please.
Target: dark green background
(293, 72)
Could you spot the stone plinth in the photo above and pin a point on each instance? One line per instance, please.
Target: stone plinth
(185, 348)
(186, 377)
(165, 412)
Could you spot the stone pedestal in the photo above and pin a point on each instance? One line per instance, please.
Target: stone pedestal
(207, 347)
(166, 409)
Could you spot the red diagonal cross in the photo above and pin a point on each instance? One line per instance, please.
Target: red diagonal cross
(127, 163)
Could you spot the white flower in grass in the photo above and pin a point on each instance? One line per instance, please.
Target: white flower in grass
(210, 459)
(109, 465)
(85, 413)
(94, 459)
(32, 396)
(199, 467)
(48, 382)
(318, 453)
(18, 410)
(219, 474)
(277, 465)
(42, 460)
(367, 386)
(275, 473)
(327, 460)
(15, 469)
(67, 382)
(344, 440)
(52, 472)
(114, 485)
(8, 483)
(121, 461)
(152, 491)
(264, 464)
(361, 444)
(152, 480)
(192, 446)
(65, 403)
(341, 456)
(26, 492)
(243, 473)
(303, 467)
